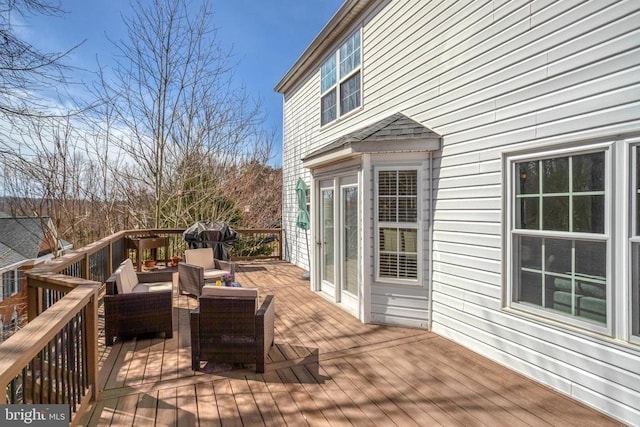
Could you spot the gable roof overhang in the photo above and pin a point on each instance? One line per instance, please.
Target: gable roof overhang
(341, 21)
(394, 134)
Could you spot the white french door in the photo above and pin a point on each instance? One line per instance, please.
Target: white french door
(327, 238)
(339, 241)
(349, 241)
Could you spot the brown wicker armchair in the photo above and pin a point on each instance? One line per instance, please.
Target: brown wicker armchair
(229, 329)
(200, 267)
(137, 303)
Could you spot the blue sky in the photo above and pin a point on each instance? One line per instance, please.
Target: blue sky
(266, 37)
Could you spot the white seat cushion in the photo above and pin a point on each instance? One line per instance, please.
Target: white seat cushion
(153, 287)
(214, 274)
(229, 291)
(126, 278)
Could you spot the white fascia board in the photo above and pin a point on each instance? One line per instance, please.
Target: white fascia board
(329, 157)
(397, 146)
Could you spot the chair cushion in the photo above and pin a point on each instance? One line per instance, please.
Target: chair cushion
(153, 287)
(202, 257)
(214, 274)
(229, 291)
(126, 278)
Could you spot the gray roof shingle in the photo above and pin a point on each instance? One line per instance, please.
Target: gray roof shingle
(22, 237)
(395, 128)
(9, 257)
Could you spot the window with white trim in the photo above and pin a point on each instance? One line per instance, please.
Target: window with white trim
(635, 241)
(397, 224)
(340, 81)
(11, 283)
(560, 236)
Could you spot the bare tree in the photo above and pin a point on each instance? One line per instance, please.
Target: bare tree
(26, 73)
(55, 174)
(186, 122)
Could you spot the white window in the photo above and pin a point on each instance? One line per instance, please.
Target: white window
(560, 236)
(397, 225)
(11, 281)
(635, 241)
(345, 63)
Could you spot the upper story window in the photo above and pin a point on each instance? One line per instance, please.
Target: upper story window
(340, 81)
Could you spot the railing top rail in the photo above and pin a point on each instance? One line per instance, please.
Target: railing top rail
(23, 346)
(258, 230)
(58, 264)
(71, 257)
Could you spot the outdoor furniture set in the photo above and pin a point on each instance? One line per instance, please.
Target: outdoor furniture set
(228, 326)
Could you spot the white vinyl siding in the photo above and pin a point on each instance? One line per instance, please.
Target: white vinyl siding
(496, 78)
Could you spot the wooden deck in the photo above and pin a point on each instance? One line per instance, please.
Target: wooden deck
(326, 368)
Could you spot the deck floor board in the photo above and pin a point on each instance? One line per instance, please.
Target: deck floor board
(326, 368)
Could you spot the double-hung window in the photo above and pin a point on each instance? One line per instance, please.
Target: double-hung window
(10, 283)
(635, 242)
(341, 81)
(560, 236)
(397, 225)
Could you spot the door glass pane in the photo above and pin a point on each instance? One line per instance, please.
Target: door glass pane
(350, 232)
(328, 267)
(635, 290)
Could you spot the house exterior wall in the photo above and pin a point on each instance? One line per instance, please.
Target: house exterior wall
(492, 77)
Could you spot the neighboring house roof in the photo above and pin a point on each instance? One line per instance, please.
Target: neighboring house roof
(396, 133)
(25, 236)
(9, 257)
(336, 28)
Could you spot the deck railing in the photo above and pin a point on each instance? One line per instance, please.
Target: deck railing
(258, 244)
(54, 358)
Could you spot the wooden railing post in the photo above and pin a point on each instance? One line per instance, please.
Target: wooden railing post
(85, 267)
(92, 345)
(34, 300)
(280, 245)
(110, 258)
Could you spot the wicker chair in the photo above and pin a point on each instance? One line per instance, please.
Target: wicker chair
(229, 329)
(200, 267)
(137, 303)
